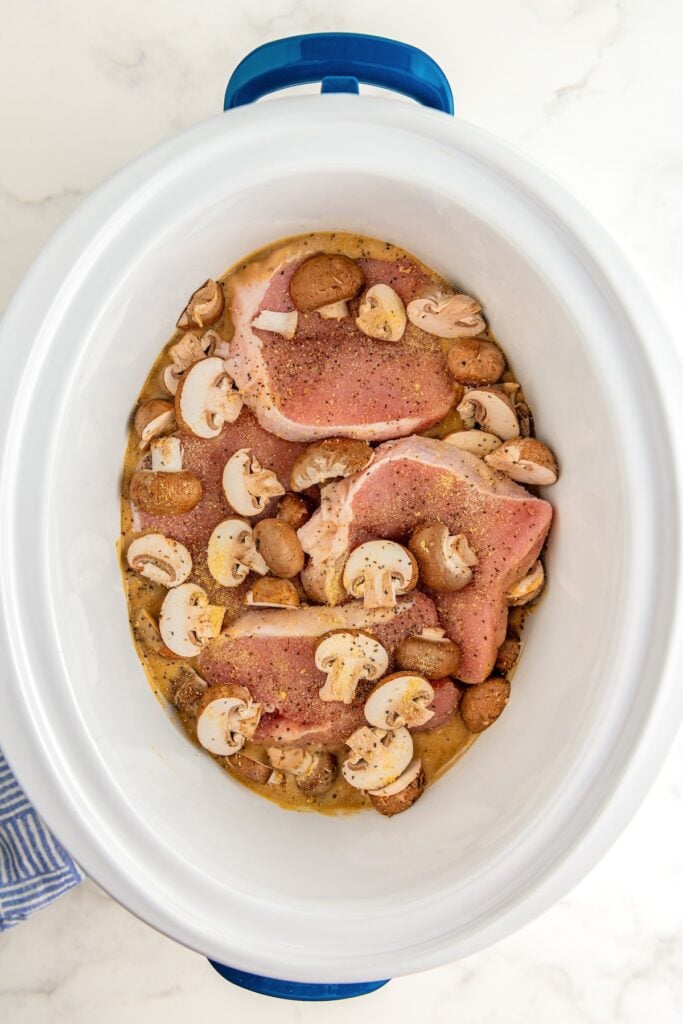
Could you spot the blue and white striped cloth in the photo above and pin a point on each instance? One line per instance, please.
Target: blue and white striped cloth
(34, 868)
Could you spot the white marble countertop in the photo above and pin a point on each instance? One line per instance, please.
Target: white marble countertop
(594, 90)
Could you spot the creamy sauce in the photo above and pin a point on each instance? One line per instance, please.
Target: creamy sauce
(439, 748)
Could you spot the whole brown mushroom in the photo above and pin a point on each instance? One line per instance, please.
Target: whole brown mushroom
(429, 653)
(279, 546)
(325, 279)
(294, 510)
(483, 703)
(475, 361)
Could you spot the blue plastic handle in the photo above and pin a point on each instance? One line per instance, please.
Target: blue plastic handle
(294, 989)
(340, 60)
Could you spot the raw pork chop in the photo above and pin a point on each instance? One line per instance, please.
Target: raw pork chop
(330, 378)
(415, 480)
(273, 653)
(207, 459)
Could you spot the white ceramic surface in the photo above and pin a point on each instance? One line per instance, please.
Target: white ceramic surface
(122, 724)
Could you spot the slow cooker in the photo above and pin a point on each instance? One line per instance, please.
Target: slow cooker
(334, 902)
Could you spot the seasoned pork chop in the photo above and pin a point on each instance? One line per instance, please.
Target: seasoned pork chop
(272, 652)
(413, 481)
(330, 378)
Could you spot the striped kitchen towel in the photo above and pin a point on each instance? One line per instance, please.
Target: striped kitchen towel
(34, 868)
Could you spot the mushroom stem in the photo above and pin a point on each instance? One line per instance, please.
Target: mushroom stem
(380, 588)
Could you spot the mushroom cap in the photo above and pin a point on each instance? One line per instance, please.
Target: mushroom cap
(382, 314)
(165, 494)
(279, 546)
(379, 570)
(226, 718)
(475, 361)
(153, 418)
(321, 776)
(231, 553)
(205, 306)
(283, 323)
(529, 587)
(329, 459)
(247, 486)
(347, 656)
(427, 655)
(508, 655)
(492, 409)
(476, 442)
(445, 560)
(206, 399)
(400, 795)
(270, 592)
(187, 620)
(483, 703)
(293, 509)
(525, 460)
(446, 314)
(377, 757)
(400, 700)
(160, 559)
(325, 279)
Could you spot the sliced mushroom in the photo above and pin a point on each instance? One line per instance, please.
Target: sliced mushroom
(280, 548)
(347, 656)
(400, 700)
(207, 399)
(529, 587)
(446, 314)
(166, 488)
(428, 653)
(445, 560)
(314, 770)
(167, 455)
(334, 311)
(508, 655)
(249, 768)
(226, 718)
(153, 419)
(205, 306)
(325, 279)
(231, 553)
(187, 690)
(247, 486)
(398, 796)
(525, 460)
(378, 571)
(187, 620)
(483, 703)
(188, 351)
(293, 509)
(270, 592)
(160, 559)
(475, 361)
(377, 757)
(382, 314)
(277, 322)
(146, 633)
(476, 442)
(492, 410)
(327, 460)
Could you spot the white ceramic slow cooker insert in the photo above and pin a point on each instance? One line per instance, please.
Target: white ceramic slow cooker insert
(595, 700)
